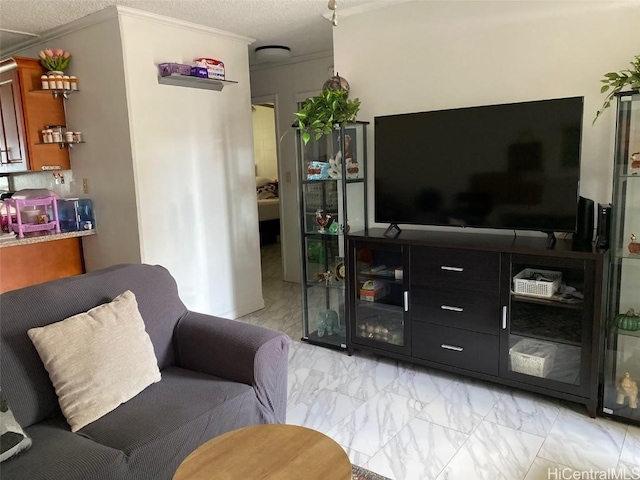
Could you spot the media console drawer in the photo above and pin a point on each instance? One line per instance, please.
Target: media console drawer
(451, 346)
(456, 268)
(477, 311)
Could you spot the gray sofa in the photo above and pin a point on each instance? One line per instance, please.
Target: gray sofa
(217, 375)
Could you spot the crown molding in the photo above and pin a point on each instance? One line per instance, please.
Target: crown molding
(292, 60)
(115, 11)
(173, 22)
(79, 24)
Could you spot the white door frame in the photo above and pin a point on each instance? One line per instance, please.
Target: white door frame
(273, 98)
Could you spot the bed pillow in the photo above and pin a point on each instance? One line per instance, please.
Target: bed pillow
(262, 181)
(13, 440)
(97, 360)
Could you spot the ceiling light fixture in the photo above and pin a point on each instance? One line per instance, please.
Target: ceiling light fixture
(273, 53)
(333, 5)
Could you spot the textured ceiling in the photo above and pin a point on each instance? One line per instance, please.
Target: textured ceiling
(295, 23)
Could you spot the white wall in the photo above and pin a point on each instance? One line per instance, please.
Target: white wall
(99, 110)
(264, 141)
(289, 84)
(429, 55)
(170, 169)
(193, 165)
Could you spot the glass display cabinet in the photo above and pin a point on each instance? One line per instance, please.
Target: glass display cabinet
(548, 323)
(333, 191)
(622, 352)
(380, 302)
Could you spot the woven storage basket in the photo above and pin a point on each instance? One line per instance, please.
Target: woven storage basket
(532, 357)
(537, 288)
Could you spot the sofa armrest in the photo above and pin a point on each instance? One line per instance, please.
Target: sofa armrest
(240, 352)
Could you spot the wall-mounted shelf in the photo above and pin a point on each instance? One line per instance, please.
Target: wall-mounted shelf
(195, 82)
(56, 92)
(61, 144)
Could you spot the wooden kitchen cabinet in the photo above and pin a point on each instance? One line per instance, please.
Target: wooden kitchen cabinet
(26, 110)
(13, 157)
(29, 264)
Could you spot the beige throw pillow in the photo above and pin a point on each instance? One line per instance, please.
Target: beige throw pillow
(97, 360)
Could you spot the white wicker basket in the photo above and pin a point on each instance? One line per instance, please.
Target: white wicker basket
(532, 357)
(537, 288)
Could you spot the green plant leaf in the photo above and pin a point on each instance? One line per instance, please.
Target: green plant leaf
(306, 137)
(322, 112)
(614, 82)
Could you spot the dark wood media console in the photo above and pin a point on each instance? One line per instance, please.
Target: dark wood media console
(450, 301)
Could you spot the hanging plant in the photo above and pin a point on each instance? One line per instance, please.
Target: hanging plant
(614, 82)
(319, 114)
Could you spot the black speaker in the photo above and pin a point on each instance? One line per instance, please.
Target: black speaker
(584, 226)
(604, 226)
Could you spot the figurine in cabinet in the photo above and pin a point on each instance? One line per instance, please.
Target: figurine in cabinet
(634, 247)
(327, 322)
(323, 220)
(628, 388)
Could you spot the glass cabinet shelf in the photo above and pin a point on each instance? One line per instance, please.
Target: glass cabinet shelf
(551, 303)
(348, 180)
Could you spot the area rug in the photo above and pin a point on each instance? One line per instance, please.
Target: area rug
(359, 473)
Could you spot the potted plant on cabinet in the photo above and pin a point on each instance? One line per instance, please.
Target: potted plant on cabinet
(614, 82)
(319, 114)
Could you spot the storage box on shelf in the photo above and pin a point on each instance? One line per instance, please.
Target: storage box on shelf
(532, 357)
(539, 283)
(76, 214)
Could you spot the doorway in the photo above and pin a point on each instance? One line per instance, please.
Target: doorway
(268, 182)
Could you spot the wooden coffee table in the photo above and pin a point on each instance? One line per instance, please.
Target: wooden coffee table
(274, 452)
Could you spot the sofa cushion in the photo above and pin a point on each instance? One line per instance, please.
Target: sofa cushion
(98, 359)
(13, 440)
(24, 380)
(58, 454)
(158, 428)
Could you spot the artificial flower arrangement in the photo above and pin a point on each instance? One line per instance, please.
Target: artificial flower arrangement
(54, 59)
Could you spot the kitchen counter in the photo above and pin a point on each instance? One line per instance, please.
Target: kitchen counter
(45, 238)
(32, 260)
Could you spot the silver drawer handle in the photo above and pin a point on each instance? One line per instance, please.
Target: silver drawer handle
(452, 269)
(451, 347)
(406, 301)
(504, 317)
(453, 309)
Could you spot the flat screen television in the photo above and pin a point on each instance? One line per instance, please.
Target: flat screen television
(512, 166)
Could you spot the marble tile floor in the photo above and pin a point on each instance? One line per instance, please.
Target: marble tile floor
(409, 422)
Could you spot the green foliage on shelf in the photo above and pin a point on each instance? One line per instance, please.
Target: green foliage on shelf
(614, 82)
(319, 114)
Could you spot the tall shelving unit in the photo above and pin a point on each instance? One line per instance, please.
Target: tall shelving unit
(622, 353)
(333, 191)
